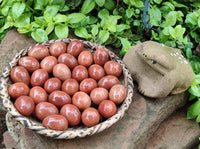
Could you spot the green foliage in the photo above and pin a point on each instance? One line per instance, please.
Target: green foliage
(170, 22)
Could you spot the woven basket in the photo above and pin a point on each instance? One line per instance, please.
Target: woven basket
(72, 132)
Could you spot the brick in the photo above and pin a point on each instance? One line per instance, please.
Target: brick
(176, 132)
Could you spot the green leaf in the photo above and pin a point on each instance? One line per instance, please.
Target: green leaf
(39, 35)
(154, 35)
(3, 34)
(171, 18)
(100, 2)
(26, 29)
(193, 110)
(198, 118)
(157, 1)
(75, 3)
(195, 90)
(112, 28)
(126, 45)
(103, 13)
(49, 28)
(179, 31)
(60, 18)
(155, 16)
(136, 23)
(188, 53)
(75, 17)
(65, 8)
(60, 3)
(179, 5)
(170, 43)
(113, 19)
(172, 32)
(92, 20)
(179, 15)
(94, 30)
(163, 38)
(18, 9)
(189, 45)
(103, 35)
(53, 35)
(129, 12)
(52, 10)
(191, 18)
(88, 5)
(182, 40)
(138, 3)
(196, 80)
(22, 21)
(4, 10)
(175, 33)
(109, 4)
(81, 32)
(170, 5)
(40, 22)
(199, 22)
(48, 18)
(112, 22)
(191, 97)
(137, 11)
(127, 2)
(195, 63)
(61, 31)
(166, 30)
(40, 4)
(122, 27)
(85, 21)
(6, 26)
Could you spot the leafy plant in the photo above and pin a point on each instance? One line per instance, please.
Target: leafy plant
(47, 19)
(94, 20)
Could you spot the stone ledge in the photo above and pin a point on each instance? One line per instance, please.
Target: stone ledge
(176, 132)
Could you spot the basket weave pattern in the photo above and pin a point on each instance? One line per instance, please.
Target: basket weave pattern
(71, 132)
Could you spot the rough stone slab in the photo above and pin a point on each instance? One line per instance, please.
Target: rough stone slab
(22, 136)
(175, 133)
(132, 131)
(11, 44)
(9, 141)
